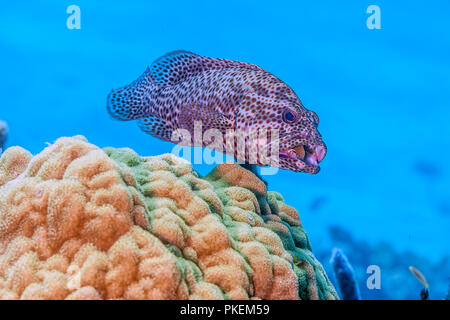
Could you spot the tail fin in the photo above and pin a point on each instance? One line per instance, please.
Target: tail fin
(129, 103)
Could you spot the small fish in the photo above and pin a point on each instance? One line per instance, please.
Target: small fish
(419, 276)
(182, 88)
(298, 262)
(318, 202)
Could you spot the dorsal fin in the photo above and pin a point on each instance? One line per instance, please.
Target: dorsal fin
(177, 66)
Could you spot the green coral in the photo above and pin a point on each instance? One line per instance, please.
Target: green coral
(241, 207)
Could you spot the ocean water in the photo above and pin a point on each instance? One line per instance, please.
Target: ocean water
(382, 95)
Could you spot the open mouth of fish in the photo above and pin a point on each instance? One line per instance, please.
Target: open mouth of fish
(305, 156)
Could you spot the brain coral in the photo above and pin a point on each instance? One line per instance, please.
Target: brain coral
(79, 222)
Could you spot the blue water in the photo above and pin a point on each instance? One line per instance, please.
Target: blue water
(382, 95)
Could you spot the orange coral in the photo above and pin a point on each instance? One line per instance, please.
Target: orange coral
(12, 163)
(78, 222)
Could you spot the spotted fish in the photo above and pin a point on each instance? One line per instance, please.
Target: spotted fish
(182, 88)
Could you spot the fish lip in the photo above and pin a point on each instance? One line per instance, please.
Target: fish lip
(313, 155)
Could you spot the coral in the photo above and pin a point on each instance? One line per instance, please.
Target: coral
(345, 276)
(79, 222)
(3, 134)
(396, 280)
(12, 163)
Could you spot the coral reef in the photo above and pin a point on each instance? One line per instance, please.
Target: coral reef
(345, 276)
(80, 222)
(396, 280)
(3, 134)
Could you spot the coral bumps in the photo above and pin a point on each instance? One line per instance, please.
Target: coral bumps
(79, 222)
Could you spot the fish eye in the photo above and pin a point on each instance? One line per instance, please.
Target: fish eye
(289, 116)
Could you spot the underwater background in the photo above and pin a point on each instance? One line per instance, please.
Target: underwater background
(382, 96)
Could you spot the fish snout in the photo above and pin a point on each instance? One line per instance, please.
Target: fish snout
(314, 118)
(315, 154)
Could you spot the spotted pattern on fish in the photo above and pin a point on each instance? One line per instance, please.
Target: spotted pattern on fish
(181, 88)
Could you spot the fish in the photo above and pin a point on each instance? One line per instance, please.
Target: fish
(298, 262)
(181, 89)
(419, 276)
